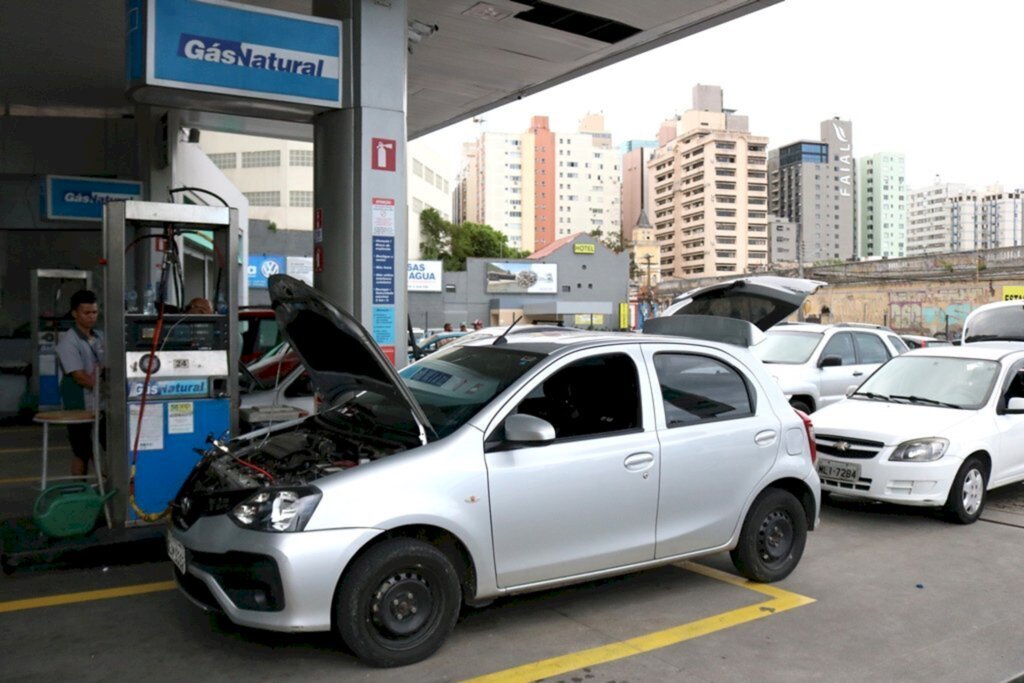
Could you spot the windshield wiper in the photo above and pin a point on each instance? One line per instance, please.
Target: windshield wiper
(927, 401)
(873, 396)
(991, 337)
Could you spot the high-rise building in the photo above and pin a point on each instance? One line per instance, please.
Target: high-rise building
(811, 190)
(881, 206)
(929, 225)
(539, 186)
(709, 183)
(635, 184)
(276, 176)
(986, 220)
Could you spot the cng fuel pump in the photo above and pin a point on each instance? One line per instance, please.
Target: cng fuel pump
(171, 376)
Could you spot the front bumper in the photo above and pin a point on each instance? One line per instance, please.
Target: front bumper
(924, 484)
(274, 581)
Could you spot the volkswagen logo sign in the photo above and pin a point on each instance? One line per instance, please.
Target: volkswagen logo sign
(270, 268)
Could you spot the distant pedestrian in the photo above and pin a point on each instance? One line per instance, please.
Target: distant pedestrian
(200, 306)
(462, 327)
(80, 352)
(447, 327)
(478, 325)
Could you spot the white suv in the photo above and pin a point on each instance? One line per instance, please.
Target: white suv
(816, 364)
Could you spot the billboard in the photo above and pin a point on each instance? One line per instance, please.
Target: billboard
(505, 277)
(424, 276)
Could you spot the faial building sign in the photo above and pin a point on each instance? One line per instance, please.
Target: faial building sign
(225, 48)
(845, 149)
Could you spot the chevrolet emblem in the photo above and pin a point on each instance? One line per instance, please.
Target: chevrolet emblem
(842, 446)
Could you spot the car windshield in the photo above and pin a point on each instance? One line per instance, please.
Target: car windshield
(1005, 323)
(932, 380)
(453, 384)
(790, 348)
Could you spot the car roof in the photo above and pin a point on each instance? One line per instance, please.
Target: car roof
(547, 343)
(994, 350)
(824, 327)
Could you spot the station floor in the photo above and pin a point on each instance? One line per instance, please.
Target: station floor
(882, 593)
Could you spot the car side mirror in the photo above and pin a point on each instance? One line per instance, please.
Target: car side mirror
(830, 362)
(1015, 406)
(522, 428)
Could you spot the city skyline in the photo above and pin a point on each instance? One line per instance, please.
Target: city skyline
(898, 90)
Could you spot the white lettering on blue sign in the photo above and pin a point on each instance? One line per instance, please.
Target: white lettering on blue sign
(183, 387)
(252, 56)
(96, 197)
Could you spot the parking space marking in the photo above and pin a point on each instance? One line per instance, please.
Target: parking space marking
(86, 596)
(18, 480)
(781, 601)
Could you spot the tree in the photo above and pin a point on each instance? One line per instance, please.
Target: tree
(613, 241)
(453, 244)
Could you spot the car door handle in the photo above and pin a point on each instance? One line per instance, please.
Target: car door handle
(858, 373)
(765, 438)
(638, 461)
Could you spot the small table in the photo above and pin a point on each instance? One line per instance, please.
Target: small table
(67, 417)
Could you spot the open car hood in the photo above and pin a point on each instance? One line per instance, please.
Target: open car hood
(339, 353)
(761, 300)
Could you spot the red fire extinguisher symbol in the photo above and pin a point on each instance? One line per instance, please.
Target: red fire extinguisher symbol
(382, 154)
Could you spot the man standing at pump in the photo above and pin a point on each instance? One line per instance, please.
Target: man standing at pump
(80, 352)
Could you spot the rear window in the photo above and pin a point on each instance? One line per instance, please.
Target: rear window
(791, 348)
(1003, 323)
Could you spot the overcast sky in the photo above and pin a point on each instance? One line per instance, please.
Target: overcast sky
(938, 80)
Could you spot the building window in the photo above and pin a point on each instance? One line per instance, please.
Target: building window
(225, 160)
(300, 157)
(449, 289)
(300, 198)
(265, 159)
(263, 198)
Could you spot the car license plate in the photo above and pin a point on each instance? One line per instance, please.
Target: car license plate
(841, 471)
(176, 551)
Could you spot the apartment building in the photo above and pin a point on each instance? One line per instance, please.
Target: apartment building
(811, 191)
(986, 219)
(929, 219)
(636, 185)
(710, 191)
(881, 206)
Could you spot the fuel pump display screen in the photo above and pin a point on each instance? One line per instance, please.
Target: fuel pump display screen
(179, 333)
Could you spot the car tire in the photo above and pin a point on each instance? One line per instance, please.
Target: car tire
(398, 603)
(773, 537)
(967, 493)
(801, 406)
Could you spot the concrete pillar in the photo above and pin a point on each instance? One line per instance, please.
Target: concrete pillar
(360, 231)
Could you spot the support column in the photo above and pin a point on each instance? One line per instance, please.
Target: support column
(360, 232)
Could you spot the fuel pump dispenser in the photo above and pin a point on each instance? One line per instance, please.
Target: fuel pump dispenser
(51, 293)
(172, 375)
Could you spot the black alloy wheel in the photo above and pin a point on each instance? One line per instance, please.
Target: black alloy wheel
(773, 537)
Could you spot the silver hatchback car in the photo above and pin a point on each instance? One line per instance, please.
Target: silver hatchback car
(509, 465)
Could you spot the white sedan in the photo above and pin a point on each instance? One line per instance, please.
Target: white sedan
(935, 427)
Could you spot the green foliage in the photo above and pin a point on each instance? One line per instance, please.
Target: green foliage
(613, 241)
(442, 240)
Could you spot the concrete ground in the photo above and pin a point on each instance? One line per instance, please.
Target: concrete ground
(897, 595)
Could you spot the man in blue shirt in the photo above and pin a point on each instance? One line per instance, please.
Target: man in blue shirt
(80, 351)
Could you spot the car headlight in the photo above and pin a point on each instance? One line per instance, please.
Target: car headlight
(277, 509)
(920, 450)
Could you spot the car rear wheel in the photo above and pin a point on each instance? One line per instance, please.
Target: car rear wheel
(801, 405)
(773, 537)
(398, 603)
(967, 494)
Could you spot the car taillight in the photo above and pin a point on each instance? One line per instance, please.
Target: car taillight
(809, 428)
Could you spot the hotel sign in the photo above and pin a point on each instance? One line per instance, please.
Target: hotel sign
(584, 248)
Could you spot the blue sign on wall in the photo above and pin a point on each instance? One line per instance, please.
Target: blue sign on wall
(81, 199)
(384, 270)
(240, 50)
(260, 268)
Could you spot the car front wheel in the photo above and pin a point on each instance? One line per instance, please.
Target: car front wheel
(398, 603)
(773, 537)
(967, 494)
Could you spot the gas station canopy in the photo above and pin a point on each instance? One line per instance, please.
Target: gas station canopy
(466, 57)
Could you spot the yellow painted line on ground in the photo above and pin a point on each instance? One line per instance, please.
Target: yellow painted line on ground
(18, 480)
(781, 601)
(86, 596)
(34, 449)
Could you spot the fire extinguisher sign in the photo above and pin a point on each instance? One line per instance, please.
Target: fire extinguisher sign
(382, 154)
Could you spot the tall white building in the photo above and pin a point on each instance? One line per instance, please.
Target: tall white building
(882, 206)
(929, 226)
(539, 186)
(987, 220)
(276, 176)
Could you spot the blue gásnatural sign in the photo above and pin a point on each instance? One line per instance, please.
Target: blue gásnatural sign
(260, 269)
(69, 198)
(170, 388)
(234, 49)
